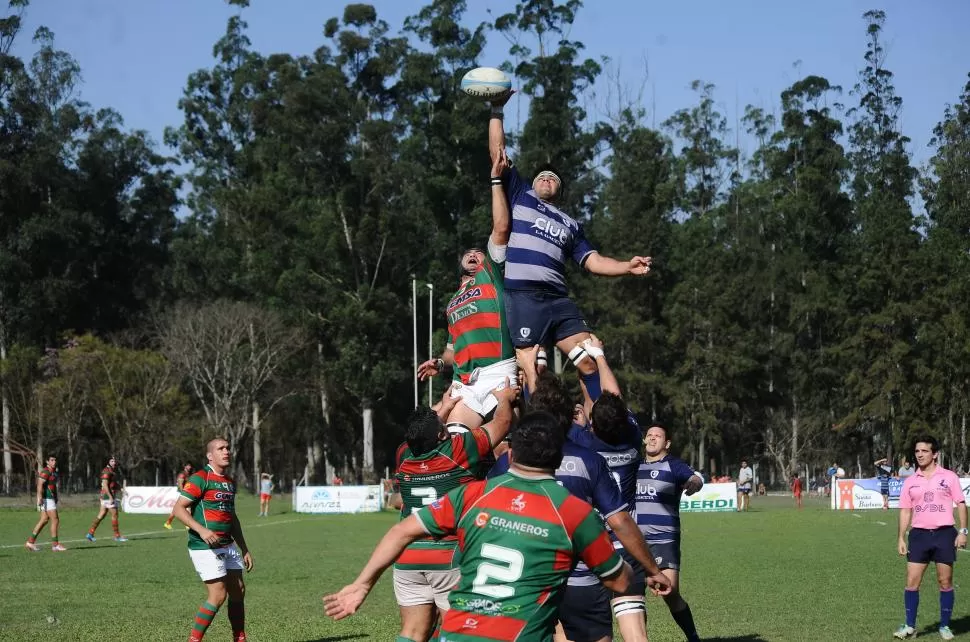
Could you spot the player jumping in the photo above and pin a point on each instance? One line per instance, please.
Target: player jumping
(207, 505)
(519, 536)
(180, 480)
(47, 505)
(109, 501)
(661, 480)
(479, 347)
(542, 239)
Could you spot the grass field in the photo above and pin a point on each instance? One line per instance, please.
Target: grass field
(772, 574)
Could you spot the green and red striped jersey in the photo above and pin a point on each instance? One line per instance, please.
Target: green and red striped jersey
(519, 538)
(108, 475)
(213, 504)
(50, 478)
(424, 479)
(476, 322)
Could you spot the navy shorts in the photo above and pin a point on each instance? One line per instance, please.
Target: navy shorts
(938, 545)
(536, 317)
(666, 554)
(585, 613)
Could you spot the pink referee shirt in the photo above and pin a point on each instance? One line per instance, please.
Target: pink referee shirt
(931, 498)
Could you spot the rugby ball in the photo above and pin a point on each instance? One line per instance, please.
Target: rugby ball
(486, 82)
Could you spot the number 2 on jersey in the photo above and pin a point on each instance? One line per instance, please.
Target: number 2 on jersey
(511, 570)
(427, 494)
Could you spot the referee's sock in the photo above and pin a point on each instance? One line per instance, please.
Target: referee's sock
(946, 606)
(911, 600)
(685, 620)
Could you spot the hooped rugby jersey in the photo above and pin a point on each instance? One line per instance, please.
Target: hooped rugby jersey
(423, 479)
(476, 322)
(543, 238)
(660, 485)
(213, 504)
(519, 538)
(109, 483)
(50, 478)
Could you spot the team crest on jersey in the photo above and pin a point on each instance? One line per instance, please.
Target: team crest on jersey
(470, 623)
(525, 332)
(435, 505)
(481, 519)
(654, 473)
(658, 560)
(423, 466)
(518, 503)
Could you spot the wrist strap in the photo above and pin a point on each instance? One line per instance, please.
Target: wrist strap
(498, 110)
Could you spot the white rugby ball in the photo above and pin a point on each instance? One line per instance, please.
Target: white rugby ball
(486, 82)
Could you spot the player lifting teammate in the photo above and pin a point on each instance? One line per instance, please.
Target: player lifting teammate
(433, 464)
(207, 505)
(180, 480)
(520, 535)
(542, 239)
(109, 501)
(47, 505)
(478, 337)
(660, 481)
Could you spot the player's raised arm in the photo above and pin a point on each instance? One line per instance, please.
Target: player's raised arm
(433, 367)
(496, 128)
(501, 219)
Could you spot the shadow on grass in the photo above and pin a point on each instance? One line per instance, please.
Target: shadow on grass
(340, 638)
(958, 625)
(750, 637)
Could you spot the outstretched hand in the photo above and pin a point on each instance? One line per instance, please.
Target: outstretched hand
(640, 265)
(499, 101)
(428, 369)
(500, 164)
(345, 602)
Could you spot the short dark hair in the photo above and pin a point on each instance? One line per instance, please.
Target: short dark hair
(551, 396)
(658, 424)
(611, 418)
(927, 439)
(422, 431)
(537, 441)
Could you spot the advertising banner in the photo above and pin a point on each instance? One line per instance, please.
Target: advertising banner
(864, 494)
(150, 499)
(712, 498)
(338, 499)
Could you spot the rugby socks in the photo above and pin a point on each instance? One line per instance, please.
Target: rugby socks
(946, 606)
(202, 621)
(592, 383)
(114, 526)
(237, 618)
(911, 599)
(33, 537)
(94, 525)
(685, 620)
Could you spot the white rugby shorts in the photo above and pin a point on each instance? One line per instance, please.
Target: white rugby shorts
(48, 504)
(109, 503)
(213, 563)
(475, 394)
(414, 588)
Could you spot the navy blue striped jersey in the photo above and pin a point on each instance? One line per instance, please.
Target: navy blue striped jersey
(584, 474)
(623, 459)
(542, 240)
(659, 487)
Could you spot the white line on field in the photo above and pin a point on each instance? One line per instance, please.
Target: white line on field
(180, 530)
(881, 523)
(857, 515)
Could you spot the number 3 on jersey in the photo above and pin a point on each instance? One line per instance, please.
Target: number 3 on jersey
(427, 494)
(510, 571)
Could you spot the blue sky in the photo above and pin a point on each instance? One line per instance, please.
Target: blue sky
(137, 54)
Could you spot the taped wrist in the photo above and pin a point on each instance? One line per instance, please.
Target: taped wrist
(577, 354)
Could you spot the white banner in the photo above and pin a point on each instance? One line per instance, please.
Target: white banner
(712, 498)
(150, 499)
(338, 499)
(866, 494)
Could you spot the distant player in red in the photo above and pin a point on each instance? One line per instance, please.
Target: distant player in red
(217, 548)
(796, 489)
(180, 480)
(47, 505)
(109, 496)
(519, 534)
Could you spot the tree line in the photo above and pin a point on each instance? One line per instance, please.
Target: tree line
(252, 278)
